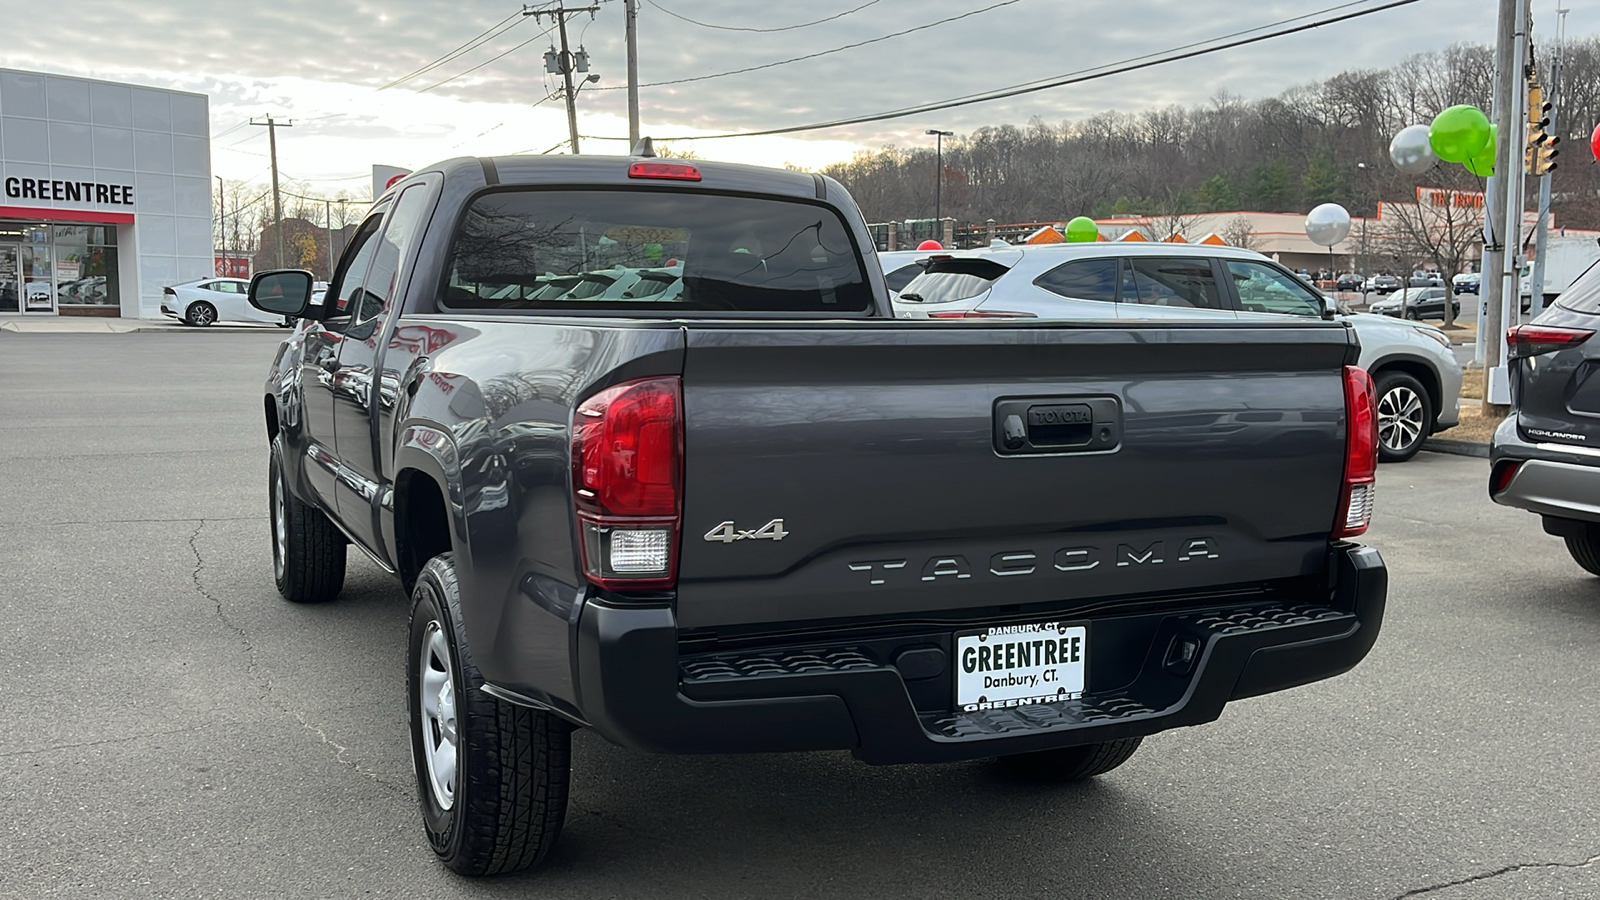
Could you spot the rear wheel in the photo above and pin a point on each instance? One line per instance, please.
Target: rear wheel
(1585, 547)
(308, 551)
(200, 313)
(1405, 415)
(491, 776)
(1073, 763)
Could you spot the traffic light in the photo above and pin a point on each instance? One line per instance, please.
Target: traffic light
(1541, 150)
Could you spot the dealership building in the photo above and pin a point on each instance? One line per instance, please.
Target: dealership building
(105, 195)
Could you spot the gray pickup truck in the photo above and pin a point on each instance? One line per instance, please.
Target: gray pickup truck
(652, 457)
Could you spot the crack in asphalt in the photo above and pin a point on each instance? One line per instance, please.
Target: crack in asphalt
(340, 752)
(265, 683)
(116, 740)
(199, 586)
(135, 521)
(1506, 870)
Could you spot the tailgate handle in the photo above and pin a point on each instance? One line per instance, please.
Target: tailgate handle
(1032, 425)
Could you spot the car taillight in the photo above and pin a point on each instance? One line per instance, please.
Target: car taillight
(1359, 489)
(627, 478)
(1523, 341)
(1504, 471)
(981, 314)
(167, 290)
(668, 171)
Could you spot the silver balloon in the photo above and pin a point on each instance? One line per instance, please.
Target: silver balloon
(1411, 152)
(1328, 224)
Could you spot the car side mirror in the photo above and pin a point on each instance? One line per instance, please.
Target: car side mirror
(1328, 310)
(284, 292)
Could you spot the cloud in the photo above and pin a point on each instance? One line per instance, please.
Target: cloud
(321, 59)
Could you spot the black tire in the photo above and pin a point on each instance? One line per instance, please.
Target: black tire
(508, 800)
(1073, 763)
(1412, 315)
(1585, 548)
(200, 314)
(308, 551)
(1405, 416)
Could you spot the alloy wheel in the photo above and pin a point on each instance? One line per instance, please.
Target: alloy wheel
(1399, 418)
(280, 525)
(440, 741)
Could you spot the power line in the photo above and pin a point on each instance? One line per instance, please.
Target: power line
(762, 30)
(784, 62)
(482, 38)
(487, 61)
(1091, 74)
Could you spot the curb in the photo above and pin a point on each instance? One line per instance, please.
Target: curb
(1457, 448)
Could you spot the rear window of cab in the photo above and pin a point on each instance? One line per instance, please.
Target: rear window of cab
(606, 251)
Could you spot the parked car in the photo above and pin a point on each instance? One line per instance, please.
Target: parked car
(900, 266)
(1417, 303)
(1349, 282)
(1421, 279)
(1466, 283)
(206, 301)
(1383, 284)
(1418, 378)
(766, 517)
(1545, 456)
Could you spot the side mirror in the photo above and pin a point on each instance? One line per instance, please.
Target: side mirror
(284, 292)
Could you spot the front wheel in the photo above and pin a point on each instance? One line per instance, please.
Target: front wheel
(1073, 763)
(1405, 415)
(308, 550)
(491, 776)
(1411, 314)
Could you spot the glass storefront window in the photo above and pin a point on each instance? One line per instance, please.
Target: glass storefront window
(86, 265)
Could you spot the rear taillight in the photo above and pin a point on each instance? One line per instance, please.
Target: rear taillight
(1523, 341)
(667, 171)
(627, 478)
(981, 314)
(167, 290)
(1504, 471)
(1359, 489)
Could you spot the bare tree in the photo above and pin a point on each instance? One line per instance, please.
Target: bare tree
(1238, 232)
(1441, 227)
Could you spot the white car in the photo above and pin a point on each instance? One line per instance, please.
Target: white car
(1417, 377)
(206, 301)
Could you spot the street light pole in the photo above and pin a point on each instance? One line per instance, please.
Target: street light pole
(938, 177)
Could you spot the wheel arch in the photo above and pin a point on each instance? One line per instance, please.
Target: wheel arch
(1419, 369)
(427, 501)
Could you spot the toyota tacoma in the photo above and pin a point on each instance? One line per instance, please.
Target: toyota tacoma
(734, 506)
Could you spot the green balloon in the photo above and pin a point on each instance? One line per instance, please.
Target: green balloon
(1082, 230)
(1483, 164)
(1459, 133)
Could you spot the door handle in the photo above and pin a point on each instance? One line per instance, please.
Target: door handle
(1057, 425)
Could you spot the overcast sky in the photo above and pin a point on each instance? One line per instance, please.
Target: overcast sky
(321, 63)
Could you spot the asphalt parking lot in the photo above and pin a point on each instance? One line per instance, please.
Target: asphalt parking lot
(173, 729)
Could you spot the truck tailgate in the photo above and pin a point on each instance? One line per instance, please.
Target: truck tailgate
(851, 472)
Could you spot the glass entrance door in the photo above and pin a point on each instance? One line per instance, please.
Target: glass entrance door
(10, 280)
(38, 279)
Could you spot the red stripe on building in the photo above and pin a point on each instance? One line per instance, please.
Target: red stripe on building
(66, 215)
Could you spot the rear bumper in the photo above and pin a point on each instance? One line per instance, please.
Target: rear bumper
(1556, 480)
(636, 690)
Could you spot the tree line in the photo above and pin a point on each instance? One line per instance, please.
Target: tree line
(1323, 142)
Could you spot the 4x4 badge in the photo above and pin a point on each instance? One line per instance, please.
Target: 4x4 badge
(727, 534)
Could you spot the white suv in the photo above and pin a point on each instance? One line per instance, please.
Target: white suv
(1417, 376)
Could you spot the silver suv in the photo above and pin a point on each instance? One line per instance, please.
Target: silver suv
(1417, 376)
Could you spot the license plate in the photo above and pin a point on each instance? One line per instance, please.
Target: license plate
(1017, 665)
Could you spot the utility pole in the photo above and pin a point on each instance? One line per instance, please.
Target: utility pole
(630, 12)
(277, 201)
(328, 211)
(1503, 282)
(222, 217)
(567, 61)
(1541, 233)
(938, 176)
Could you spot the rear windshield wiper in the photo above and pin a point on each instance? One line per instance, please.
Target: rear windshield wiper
(917, 298)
